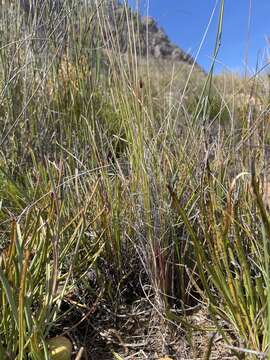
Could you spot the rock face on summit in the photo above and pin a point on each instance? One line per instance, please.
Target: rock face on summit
(147, 38)
(159, 45)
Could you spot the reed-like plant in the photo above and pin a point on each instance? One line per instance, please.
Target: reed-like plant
(136, 170)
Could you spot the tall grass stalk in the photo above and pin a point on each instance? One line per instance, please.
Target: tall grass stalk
(114, 165)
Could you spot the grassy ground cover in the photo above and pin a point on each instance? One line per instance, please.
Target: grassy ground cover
(128, 183)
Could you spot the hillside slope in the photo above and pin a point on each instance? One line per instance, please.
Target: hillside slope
(149, 37)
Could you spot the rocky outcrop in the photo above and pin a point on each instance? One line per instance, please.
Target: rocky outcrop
(159, 45)
(147, 38)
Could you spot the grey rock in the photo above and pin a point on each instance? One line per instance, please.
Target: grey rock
(148, 21)
(149, 37)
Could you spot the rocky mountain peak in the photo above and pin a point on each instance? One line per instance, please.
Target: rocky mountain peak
(150, 39)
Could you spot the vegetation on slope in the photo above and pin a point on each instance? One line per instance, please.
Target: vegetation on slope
(124, 178)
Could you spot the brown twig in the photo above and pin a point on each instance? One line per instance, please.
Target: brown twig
(91, 311)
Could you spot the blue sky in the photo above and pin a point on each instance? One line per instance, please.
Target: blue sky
(244, 36)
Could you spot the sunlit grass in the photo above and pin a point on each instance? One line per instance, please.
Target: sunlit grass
(132, 169)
